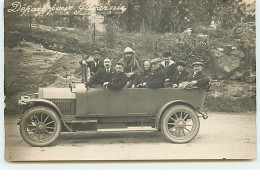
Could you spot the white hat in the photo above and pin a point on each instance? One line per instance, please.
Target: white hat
(128, 50)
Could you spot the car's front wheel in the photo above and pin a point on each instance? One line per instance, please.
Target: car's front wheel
(180, 124)
(40, 126)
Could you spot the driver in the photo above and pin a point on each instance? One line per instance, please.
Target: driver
(103, 75)
(119, 80)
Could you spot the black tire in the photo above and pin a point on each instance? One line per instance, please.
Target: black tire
(180, 124)
(40, 126)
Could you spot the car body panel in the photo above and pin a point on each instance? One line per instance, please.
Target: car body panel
(100, 102)
(138, 101)
(127, 102)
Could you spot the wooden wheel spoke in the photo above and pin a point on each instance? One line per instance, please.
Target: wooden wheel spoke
(183, 132)
(187, 129)
(46, 119)
(171, 129)
(181, 115)
(37, 118)
(39, 138)
(176, 115)
(41, 117)
(171, 123)
(185, 116)
(49, 123)
(48, 132)
(172, 119)
(50, 127)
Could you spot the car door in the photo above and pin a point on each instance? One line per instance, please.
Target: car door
(138, 101)
(92, 102)
(116, 103)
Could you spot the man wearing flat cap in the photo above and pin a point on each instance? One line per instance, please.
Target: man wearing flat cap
(156, 77)
(198, 78)
(168, 64)
(180, 75)
(95, 62)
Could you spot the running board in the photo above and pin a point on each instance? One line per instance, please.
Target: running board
(135, 129)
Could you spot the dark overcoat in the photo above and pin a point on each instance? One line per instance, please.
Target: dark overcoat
(201, 78)
(141, 77)
(156, 78)
(177, 77)
(118, 81)
(101, 76)
(94, 67)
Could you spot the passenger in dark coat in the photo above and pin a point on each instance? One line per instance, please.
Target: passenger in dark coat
(119, 80)
(142, 75)
(103, 75)
(95, 63)
(180, 75)
(156, 77)
(198, 78)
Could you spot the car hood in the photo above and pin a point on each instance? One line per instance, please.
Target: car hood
(56, 93)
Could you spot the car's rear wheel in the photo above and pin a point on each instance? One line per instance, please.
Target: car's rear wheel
(180, 124)
(40, 126)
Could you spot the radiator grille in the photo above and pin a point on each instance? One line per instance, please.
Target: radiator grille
(66, 106)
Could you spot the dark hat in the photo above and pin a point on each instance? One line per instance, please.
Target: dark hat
(198, 63)
(156, 60)
(167, 54)
(96, 52)
(181, 63)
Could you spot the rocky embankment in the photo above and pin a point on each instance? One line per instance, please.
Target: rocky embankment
(53, 63)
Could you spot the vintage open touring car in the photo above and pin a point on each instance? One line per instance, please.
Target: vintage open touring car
(175, 112)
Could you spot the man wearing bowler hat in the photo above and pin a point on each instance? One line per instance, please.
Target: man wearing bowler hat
(179, 76)
(95, 63)
(156, 77)
(198, 78)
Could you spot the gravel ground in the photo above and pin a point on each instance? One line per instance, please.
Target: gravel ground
(222, 136)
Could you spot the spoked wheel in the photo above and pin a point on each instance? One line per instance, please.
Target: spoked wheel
(180, 124)
(40, 126)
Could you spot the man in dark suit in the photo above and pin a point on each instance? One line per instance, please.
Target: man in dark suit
(95, 62)
(119, 80)
(179, 76)
(103, 75)
(156, 77)
(198, 78)
(168, 64)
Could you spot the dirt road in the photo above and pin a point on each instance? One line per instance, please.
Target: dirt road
(229, 136)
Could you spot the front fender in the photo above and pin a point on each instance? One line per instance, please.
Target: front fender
(167, 106)
(43, 102)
